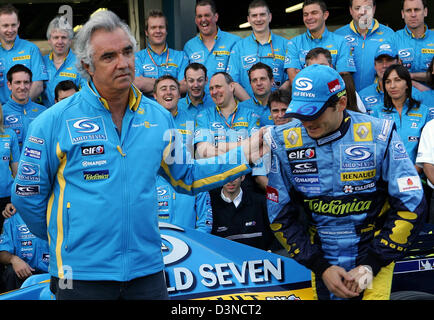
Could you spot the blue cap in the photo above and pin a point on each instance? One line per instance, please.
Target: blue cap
(313, 90)
(386, 49)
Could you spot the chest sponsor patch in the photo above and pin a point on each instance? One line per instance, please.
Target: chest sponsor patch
(358, 175)
(357, 157)
(304, 167)
(86, 129)
(96, 175)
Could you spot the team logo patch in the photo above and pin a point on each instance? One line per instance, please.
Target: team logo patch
(292, 138)
(362, 132)
(29, 171)
(357, 157)
(86, 129)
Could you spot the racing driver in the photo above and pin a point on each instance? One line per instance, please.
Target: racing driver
(361, 193)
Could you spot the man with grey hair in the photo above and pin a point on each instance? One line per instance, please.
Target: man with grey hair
(60, 62)
(97, 155)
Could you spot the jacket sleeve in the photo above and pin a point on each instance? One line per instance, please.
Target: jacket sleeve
(31, 196)
(283, 216)
(404, 216)
(191, 176)
(203, 212)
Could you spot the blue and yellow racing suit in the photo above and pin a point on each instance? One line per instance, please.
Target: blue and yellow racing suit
(17, 239)
(67, 71)
(360, 191)
(19, 116)
(216, 59)
(23, 52)
(300, 45)
(249, 51)
(96, 199)
(9, 152)
(409, 125)
(363, 49)
(416, 53)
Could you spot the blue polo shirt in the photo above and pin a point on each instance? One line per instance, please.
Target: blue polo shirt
(300, 45)
(363, 49)
(67, 71)
(409, 125)
(186, 104)
(373, 97)
(17, 239)
(9, 152)
(249, 51)
(149, 64)
(19, 116)
(415, 53)
(23, 52)
(263, 111)
(216, 59)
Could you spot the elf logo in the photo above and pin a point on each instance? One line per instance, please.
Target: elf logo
(302, 154)
(92, 150)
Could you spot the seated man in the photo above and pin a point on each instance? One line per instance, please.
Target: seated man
(241, 216)
(21, 252)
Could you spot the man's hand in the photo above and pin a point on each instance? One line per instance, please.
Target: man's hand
(335, 278)
(21, 268)
(362, 276)
(254, 147)
(9, 211)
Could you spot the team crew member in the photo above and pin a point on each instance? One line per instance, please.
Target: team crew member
(364, 34)
(241, 216)
(14, 50)
(212, 46)
(261, 81)
(21, 252)
(191, 211)
(61, 61)
(415, 42)
(362, 195)
(20, 111)
(315, 15)
(9, 155)
(261, 46)
(64, 89)
(93, 191)
(196, 99)
(408, 114)
(157, 58)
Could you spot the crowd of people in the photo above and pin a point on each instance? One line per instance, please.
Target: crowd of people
(319, 144)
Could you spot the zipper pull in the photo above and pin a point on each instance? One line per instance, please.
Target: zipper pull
(120, 151)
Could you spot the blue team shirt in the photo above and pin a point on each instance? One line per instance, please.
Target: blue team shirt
(249, 51)
(300, 45)
(19, 241)
(363, 50)
(416, 53)
(67, 71)
(169, 62)
(188, 211)
(19, 116)
(373, 97)
(409, 125)
(185, 104)
(9, 152)
(216, 59)
(23, 52)
(262, 111)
